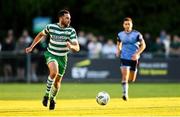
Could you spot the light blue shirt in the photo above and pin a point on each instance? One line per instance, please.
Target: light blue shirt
(130, 43)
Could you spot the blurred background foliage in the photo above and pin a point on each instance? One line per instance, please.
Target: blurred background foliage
(97, 16)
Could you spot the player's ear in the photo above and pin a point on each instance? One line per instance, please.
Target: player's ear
(131, 24)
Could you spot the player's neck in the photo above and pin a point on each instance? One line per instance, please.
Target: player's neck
(61, 25)
(128, 31)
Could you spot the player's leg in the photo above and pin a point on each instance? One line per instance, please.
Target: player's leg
(133, 71)
(53, 72)
(125, 76)
(56, 87)
(132, 75)
(62, 63)
(54, 90)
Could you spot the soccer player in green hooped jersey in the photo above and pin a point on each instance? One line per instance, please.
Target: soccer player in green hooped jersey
(62, 39)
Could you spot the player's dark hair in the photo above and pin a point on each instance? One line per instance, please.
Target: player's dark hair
(62, 12)
(127, 19)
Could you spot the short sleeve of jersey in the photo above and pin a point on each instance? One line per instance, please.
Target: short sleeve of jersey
(118, 37)
(140, 37)
(46, 30)
(73, 35)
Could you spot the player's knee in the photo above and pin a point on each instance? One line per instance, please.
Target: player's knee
(125, 77)
(53, 74)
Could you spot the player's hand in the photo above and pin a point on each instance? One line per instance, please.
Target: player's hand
(117, 53)
(68, 45)
(135, 57)
(29, 49)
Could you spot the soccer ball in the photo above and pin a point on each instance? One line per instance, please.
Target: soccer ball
(102, 98)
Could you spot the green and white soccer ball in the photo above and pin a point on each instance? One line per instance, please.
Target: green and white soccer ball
(102, 98)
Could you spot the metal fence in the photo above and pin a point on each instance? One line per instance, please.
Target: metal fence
(20, 67)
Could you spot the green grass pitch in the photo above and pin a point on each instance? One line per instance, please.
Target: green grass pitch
(78, 99)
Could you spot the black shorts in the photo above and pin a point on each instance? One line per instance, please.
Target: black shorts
(130, 63)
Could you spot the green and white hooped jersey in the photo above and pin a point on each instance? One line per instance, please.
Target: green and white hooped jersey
(58, 38)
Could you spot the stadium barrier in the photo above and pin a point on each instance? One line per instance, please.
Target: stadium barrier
(149, 70)
(82, 69)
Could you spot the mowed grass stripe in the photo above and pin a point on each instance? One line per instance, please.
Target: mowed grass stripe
(85, 90)
(89, 107)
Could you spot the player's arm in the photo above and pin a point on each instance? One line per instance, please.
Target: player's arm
(142, 47)
(35, 42)
(118, 46)
(72, 43)
(140, 50)
(73, 46)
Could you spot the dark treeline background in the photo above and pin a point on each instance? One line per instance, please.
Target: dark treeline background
(97, 16)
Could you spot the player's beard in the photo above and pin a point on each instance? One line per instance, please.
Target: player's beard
(66, 24)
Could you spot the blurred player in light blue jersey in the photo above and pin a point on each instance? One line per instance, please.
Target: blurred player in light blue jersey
(130, 44)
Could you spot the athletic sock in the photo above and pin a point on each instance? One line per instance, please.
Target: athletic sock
(53, 92)
(49, 85)
(125, 88)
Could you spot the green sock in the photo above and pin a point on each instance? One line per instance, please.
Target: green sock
(54, 92)
(49, 85)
